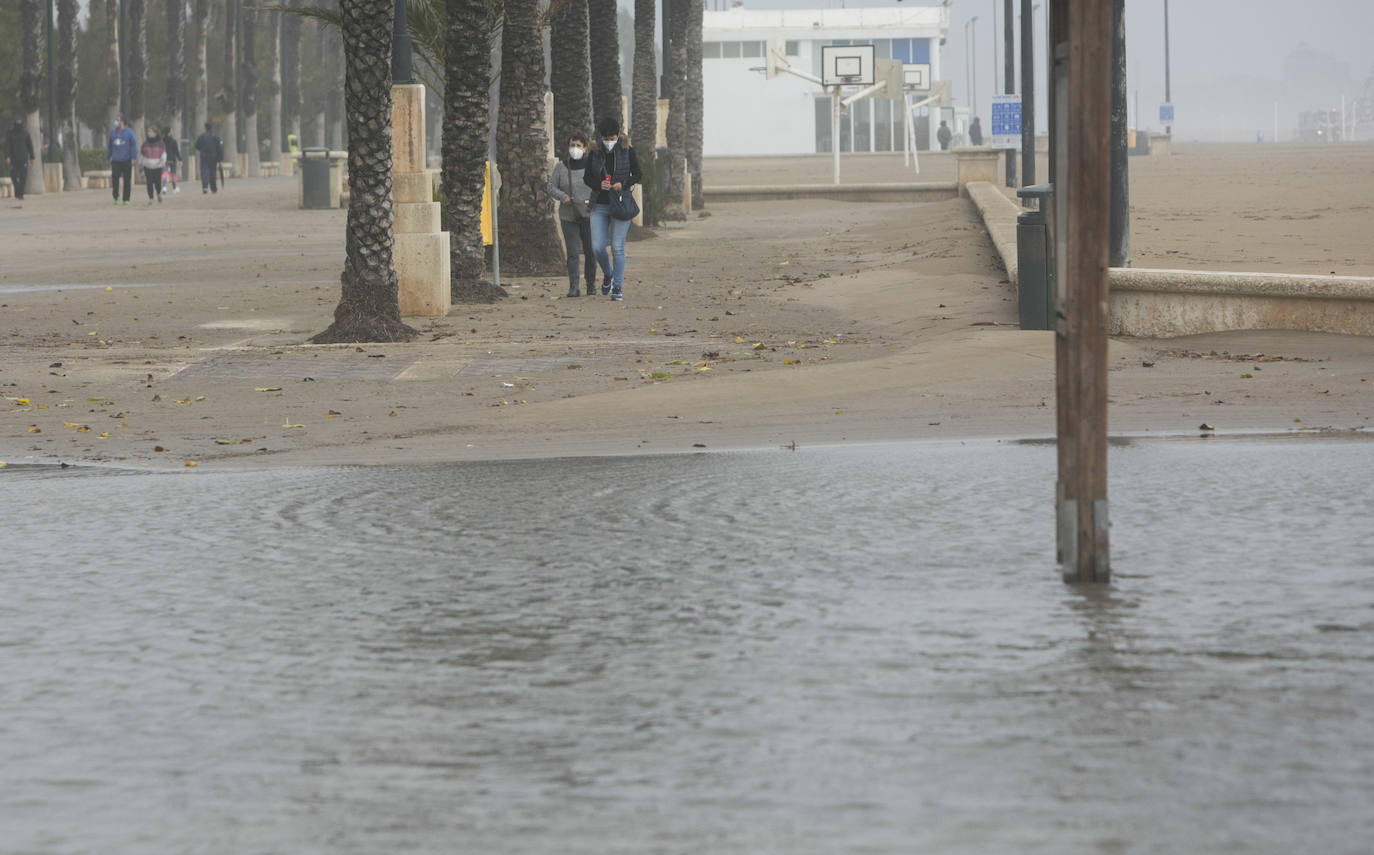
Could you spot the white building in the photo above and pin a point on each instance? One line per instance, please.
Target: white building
(745, 113)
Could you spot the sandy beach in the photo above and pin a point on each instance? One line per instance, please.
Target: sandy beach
(157, 336)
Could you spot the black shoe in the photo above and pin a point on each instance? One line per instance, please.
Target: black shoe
(573, 293)
(606, 286)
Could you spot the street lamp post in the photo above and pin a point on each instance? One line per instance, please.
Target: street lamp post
(400, 47)
(972, 39)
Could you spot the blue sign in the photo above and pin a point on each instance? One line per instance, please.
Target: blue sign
(1006, 121)
(1166, 112)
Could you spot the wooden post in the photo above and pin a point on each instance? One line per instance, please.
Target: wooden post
(1084, 187)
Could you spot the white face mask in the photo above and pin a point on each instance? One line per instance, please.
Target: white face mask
(575, 152)
(610, 144)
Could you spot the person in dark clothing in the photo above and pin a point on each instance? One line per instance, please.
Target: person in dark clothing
(210, 150)
(169, 143)
(152, 156)
(612, 165)
(574, 210)
(120, 150)
(18, 154)
(944, 135)
(975, 132)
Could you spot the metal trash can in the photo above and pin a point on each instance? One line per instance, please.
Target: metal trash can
(1035, 289)
(315, 178)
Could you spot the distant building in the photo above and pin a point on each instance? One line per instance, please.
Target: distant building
(745, 113)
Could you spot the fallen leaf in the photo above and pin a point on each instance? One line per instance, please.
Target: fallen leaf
(159, 449)
(224, 442)
(267, 389)
(1205, 426)
(191, 464)
(35, 429)
(293, 426)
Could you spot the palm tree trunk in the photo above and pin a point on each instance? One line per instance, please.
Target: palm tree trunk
(605, 58)
(291, 74)
(112, 63)
(30, 84)
(644, 88)
(675, 71)
(66, 92)
(334, 83)
(228, 91)
(274, 89)
(201, 96)
(527, 227)
(694, 102)
(176, 67)
(368, 309)
(467, 64)
(250, 91)
(136, 52)
(570, 74)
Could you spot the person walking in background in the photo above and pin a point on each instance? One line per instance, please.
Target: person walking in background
(975, 132)
(944, 135)
(574, 210)
(169, 175)
(152, 156)
(613, 166)
(18, 154)
(120, 150)
(209, 149)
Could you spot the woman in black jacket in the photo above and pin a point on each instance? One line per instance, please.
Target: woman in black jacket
(612, 167)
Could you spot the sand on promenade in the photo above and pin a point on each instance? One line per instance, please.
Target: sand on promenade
(152, 336)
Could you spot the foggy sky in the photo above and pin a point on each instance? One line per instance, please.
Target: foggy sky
(1226, 56)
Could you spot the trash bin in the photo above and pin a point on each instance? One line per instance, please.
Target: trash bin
(1035, 290)
(315, 178)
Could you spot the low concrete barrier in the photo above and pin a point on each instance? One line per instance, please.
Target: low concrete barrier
(268, 169)
(911, 192)
(1167, 303)
(98, 179)
(6, 188)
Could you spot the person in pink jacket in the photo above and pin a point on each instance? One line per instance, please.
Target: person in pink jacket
(152, 156)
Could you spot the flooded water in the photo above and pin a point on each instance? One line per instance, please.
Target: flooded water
(858, 650)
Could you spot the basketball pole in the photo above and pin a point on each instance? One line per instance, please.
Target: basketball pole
(835, 128)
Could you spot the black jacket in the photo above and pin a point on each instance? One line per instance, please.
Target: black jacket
(173, 150)
(601, 163)
(18, 146)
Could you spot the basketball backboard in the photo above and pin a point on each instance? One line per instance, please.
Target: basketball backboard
(847, 65)
(916, 77)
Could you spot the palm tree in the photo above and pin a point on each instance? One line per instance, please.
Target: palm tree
(274, 90)
(136, 56)
(31, 81)
(66, 92)
(675, 73)
(644, 86)
(605, 56)
(176, 67)
(250, 90)
(467, 80)
(570, 76)
(693, 99)
(227, 95)
(200, 97)
(368, 309)
(521, 133)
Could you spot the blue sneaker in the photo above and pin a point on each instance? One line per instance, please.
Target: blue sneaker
(606, 286)
(615, 295)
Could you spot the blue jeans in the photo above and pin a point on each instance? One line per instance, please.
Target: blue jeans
(604, 225)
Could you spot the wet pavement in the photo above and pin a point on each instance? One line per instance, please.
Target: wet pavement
(829, 650)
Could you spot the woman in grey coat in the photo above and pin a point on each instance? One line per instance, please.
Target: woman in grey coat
(574, 212)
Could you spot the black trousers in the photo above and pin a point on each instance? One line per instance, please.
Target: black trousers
(154, 179)
(208, 174)
(121, 170)
(20, 176)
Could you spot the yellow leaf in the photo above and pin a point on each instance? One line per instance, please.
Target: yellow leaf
(23, 402)
(758, 345)
(191, 463)
(392, 413)
(108, 288)
(35, 429)
(739, 340)
(104, 434)
(83, 429)
(839, 412)
(789, 362)
(69, 425)
(293, 426)
(3, 464)
(268, 389)
(42, 406)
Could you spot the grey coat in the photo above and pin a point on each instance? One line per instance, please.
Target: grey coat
(567, 183)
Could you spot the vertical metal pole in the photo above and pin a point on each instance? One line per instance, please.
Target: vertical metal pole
(1027, 94)
(1120, 254)
(666, 38)
(973, 62)
(1086, 192)
(400, 47)
(1009, 79)
(120, 49)
(1168, 92)
(835, 129)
